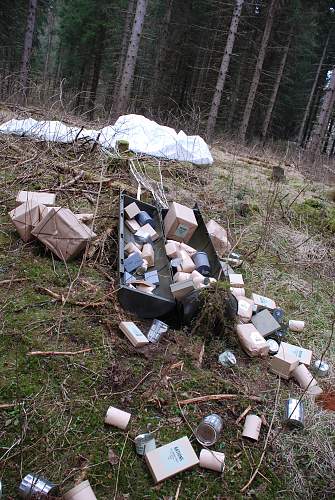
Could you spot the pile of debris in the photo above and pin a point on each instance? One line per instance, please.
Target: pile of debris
(58, 228)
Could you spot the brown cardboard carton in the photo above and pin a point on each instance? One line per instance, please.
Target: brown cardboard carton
(168, 460)
(236, 280)
(190, 250)
(48, 199)
(238, 292)
(25, 217)
(180, 276)
(244, 308)
(131, 247)
(180, 290)
(283, 364)
(147, 229)
(187, 265)
(132, 210)
(180, 223)
(303, 355)
(133, 333)
(219, 237)
(148, 254)
(63, 234)
(145, 288)
(171, 249)
(132, 225)
(251, 340)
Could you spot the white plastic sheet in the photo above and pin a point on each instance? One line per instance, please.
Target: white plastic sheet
(144, 136)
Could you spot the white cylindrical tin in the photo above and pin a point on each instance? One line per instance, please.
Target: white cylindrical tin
(296, 326)
(117, 417)
(213, 460)
(273, 346)
(252, 427)
(209, 429)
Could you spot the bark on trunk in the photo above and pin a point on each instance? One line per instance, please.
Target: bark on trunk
(276, 88)
(311, 95)
(257, 72)
(328, 135)
(124, 90)
(96, 69)
(28, 43)
(213, 114)
(318, 132)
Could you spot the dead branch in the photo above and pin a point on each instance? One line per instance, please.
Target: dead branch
(61, 299)
(218, 397)
(71, 182)
(238, 420)
(58, 353)
(14, 280)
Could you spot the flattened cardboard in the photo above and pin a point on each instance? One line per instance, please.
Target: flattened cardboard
(168, 460)
(303, 355)
(133, 333)
(25, 217)
(219, 237)
(180, 223)
(48, 199)
(251, 340)
(63, 234)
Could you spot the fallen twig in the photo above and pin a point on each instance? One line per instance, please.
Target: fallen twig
(238, 420)
(71, 182)
(61, 299)
(5, 406)
(218, 397)
(58, 353)
(14, 280)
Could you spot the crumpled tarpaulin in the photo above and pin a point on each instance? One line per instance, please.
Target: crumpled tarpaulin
(144, 136)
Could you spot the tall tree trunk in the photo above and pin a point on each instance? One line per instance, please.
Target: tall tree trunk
(318, 132)
(124, 46)
(213, 114)
(276, 87)
(311, 95)
(99, 47)
(257, 72)
(163, 38)
(328, 135)
(28, 43)
(124, 90)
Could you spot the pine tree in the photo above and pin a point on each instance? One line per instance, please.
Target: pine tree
(28, 43)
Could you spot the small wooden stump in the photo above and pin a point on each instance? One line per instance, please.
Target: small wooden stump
(278, 174)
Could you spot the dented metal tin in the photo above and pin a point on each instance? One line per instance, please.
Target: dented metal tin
(321, 368)
(144, 443)
(33, 484)
(157, 330)
(294, 413)
(227, 359)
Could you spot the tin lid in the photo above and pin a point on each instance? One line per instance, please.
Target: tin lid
(321, 367)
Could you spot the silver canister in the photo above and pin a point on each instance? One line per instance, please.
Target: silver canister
(321, 368)
(157, 330)
(33, 484)
(294, 413)
(227, 359)
(209, 429)
(273, 346)
(144, 443)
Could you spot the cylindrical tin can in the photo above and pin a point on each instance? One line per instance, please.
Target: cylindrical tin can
(273, 346)
(144, 218)
(157, 330)
(201, 262)
(213, 460)
(294, 413)
(252, 427)
(144, 443)
(209, 429)
(32, 485)
(296, 326)
(321, 368)
(117, 418)
(227, 359)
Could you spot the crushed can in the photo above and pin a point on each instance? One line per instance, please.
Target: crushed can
(294, 413)
(321, 368)
(144, 443)
(33, 484)
(157, 330)
(227, 359)
(209, 429)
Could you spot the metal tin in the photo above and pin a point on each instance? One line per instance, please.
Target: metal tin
(32, 484)
(209, 429)
(201, 262)
(144, 218)
(142, 239)
(0, 489)
(294, 413)
(321, 368)
(157, 330)
(278, 315)
(227, 359)
(273, 346)
(144, 443)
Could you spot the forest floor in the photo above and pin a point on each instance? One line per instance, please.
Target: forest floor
(55, 425)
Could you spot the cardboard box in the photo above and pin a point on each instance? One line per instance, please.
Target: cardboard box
(25, 217)
(251, 340)
(244, 308)
(181, 289)
(265, 322)
(180, 276)
(219, 237)
(236, 280)
(262, 302)
(238, 292)
(168, 460)
(133, 262)
(147, 229)
(131, 210)
(152, 277)
(187, 265)
(148, 254)
(131, 247)
(48, 199)
(132, 225)
(171, 249)
(133, 333)
(190, 250)
(63, 234)
(303, 355)
(283, 364)
(180, 223)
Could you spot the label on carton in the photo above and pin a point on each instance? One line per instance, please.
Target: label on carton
(181, 230)
(134, 330)
(174, 457)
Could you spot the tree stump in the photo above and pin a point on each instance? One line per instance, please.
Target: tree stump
(278, 174)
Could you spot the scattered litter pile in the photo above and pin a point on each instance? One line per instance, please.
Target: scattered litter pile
(59, 229)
